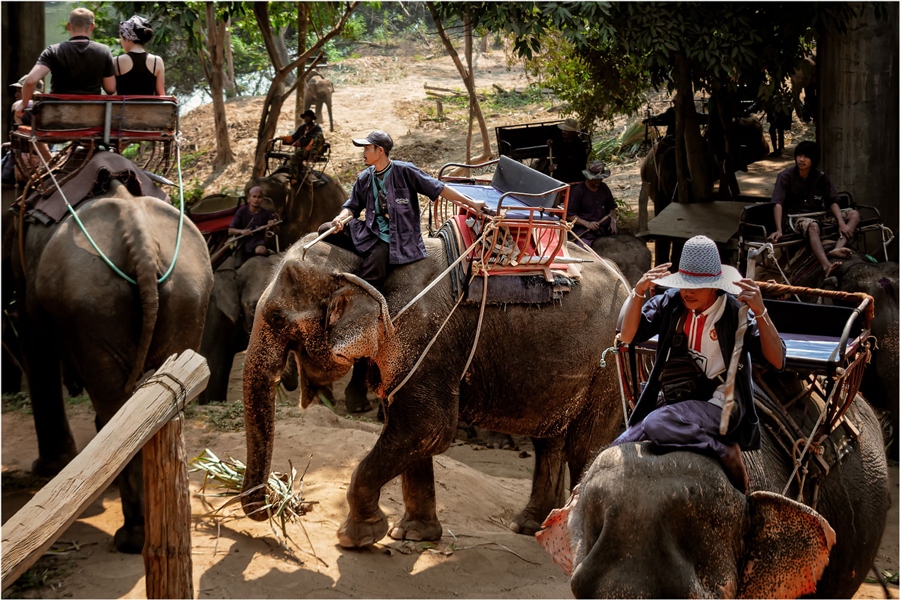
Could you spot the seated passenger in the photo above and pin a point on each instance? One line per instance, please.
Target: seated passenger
(138, 73)
(247, 218)
(309, 139)
(804, 189)
(77, 66)
(591, 205)
(12, 174)
(697, 321)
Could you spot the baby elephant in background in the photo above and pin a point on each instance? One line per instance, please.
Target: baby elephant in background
(650, 525)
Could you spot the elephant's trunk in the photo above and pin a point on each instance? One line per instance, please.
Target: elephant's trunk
(263, 363)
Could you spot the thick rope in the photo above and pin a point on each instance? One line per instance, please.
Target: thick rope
(477, 327)
(390, 397)
(434, 282)
(809, 441)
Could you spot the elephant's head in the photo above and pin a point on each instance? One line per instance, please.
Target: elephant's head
(672, 526)
(328, 319)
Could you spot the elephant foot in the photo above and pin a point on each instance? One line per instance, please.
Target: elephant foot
(50, 467)
(417, 531)
(129, 539)
(359, 534)
(525, 523)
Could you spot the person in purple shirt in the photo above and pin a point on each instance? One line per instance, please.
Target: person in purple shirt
(391, 234)
(804, 189)
(591, 205)
(248, 217)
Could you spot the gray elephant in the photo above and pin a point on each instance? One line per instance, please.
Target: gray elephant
(535, 372)
(318, 92)
(229, 320)
(111, 331)
(629, 253)
(650, 525)
(302, 210)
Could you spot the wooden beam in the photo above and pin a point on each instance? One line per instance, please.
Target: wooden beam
(32, 530)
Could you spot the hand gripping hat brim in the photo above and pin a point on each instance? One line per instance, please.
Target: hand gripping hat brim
(701, 267)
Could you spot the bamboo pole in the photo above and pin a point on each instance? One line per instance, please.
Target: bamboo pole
(32, 530)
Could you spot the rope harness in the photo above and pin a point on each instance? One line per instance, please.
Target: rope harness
(87, 235)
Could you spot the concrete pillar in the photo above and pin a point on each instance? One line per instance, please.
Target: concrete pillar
(858, 99)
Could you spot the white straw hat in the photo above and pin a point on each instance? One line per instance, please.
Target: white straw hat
(701, 267)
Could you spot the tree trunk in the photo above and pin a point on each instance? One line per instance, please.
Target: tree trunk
(284, 55)
(858, 120)
(468, 78)
(215, 35)
(276, 96)
(230, 84)
(23, 41)
(302, 29)
(689, 132)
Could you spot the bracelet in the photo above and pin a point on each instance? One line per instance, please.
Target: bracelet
(636, 295)
(763, 314)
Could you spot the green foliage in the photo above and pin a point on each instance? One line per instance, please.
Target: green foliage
(19, 403)
(194, 192)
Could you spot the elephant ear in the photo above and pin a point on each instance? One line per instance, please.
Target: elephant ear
(385, 317)
(554, 535)
(787, 548)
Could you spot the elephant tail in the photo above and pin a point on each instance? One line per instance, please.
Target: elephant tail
(142, 253)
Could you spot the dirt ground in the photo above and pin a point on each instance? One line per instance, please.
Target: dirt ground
(478, 488)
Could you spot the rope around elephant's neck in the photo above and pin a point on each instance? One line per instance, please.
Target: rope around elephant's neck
(81, 226)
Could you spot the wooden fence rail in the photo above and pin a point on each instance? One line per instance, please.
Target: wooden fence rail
(153, 411)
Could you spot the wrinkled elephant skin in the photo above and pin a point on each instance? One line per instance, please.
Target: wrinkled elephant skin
(229, 320)
(650, 525)
(514, 384)
(303, 210)
(74, 307)
(629, 253)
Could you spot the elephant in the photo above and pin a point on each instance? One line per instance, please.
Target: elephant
(649, 525)
(629, 253)
(318, 92)
(535, 371)
(303, 210)
(75, 308)
(229, 320)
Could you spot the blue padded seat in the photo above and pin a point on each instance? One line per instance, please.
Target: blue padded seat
(513, 176)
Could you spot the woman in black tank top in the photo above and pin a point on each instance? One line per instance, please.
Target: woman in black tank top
(137, 72)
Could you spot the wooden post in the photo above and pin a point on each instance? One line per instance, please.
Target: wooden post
(167, 515)
(32, 530)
